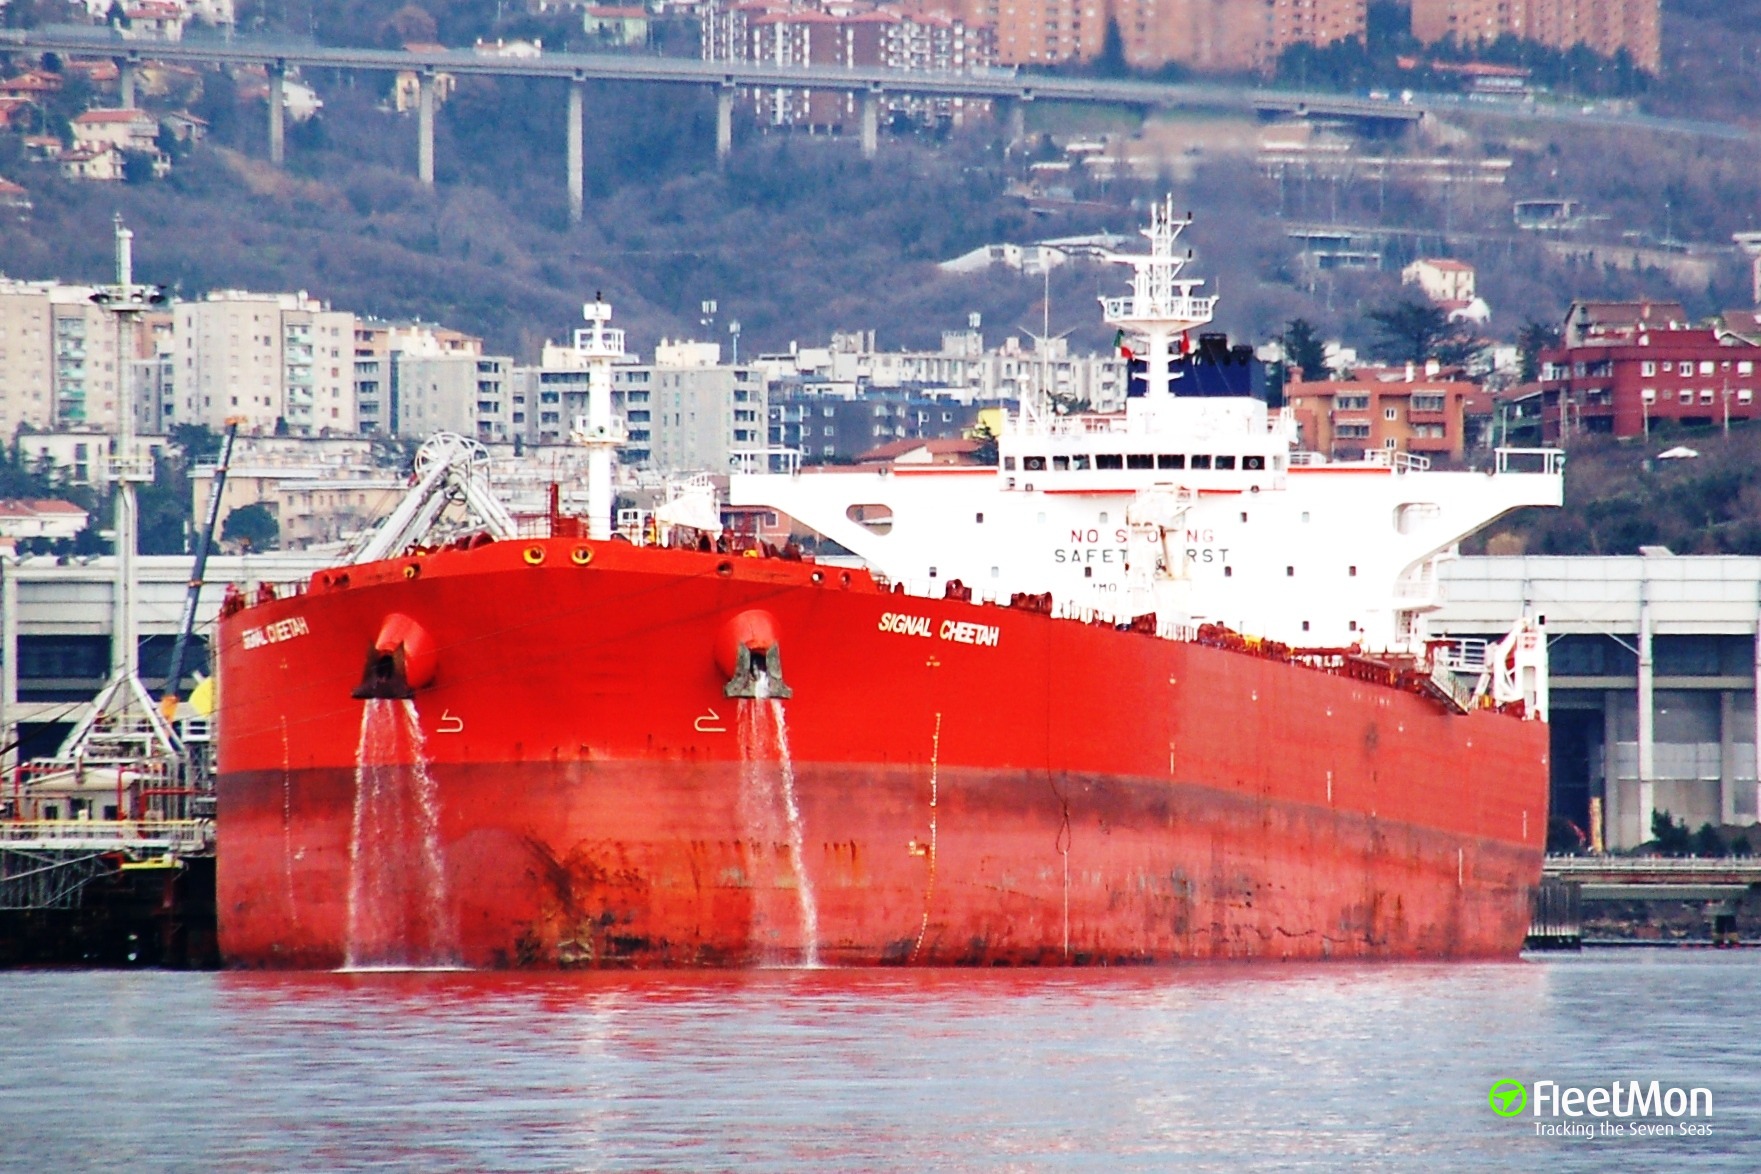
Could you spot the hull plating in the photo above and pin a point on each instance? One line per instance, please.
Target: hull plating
(948, 783)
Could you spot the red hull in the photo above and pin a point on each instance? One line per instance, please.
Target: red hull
(1028, 790)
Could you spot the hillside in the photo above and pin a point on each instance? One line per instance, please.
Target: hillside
(1619, 496)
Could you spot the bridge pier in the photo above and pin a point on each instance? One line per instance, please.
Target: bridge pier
(125, 80)
(277, 112)
(425, 127)
(577, 156)
(871, 122)
(724, 122)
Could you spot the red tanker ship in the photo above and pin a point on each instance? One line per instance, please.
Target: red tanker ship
(578, 749)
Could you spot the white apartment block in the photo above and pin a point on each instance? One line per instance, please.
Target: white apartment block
(685, 412)
(962, 367)
(58, 358)
(378, 349)
(466, 394)
(27, 382)
(277, 362)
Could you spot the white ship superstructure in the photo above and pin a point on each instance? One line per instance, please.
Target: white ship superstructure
(1192, 505)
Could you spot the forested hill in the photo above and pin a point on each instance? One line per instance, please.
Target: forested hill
(796, 238)
(1620, 496)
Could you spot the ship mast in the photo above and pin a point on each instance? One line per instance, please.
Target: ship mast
(597, 431)
(1162, 306)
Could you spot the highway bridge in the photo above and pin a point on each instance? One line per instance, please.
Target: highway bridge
(1012, 90)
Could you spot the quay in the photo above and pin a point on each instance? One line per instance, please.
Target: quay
(107, 892)
(1646, 900)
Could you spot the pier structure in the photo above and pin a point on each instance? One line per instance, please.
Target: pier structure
(1704, 900)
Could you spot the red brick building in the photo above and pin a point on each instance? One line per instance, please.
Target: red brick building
(1625, 368)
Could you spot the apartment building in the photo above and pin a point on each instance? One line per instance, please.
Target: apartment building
(1412, 412)
(378, 347)
(905, 38)
(1606, 26)
(58, 358)
(1210, 36)
(278, 362)
(463, 393)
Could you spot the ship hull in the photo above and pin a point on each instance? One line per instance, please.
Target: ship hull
(947, 783)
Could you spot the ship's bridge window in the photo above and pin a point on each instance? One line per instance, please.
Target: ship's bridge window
(1033, 464)
(1140, 460)
(876, 519)
(1253, 464)
(1109, 460)
(1171, 460)
(1225, 462)
(1201, 461)
(1079, 461)
(1061, 463)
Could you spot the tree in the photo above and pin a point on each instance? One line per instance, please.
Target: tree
(1533, 338)
(1111, 62)
(253, 526)
(1707, 842)
(1303, 350)
(986, 452)
(410, 24)
(1413, 331)
(1670, 835)
(137, 167)
(197, 442)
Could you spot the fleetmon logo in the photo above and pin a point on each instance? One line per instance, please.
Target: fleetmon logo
(1507, 1098)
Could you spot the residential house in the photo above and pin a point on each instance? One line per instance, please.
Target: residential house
(14, 200)
(1450, 286)
(102, 163)
(37, 85)
(185, 127)
(1442, 280)
(126, 130)
(154, 20)
(42, 148)
(45, 518)
(622, 26)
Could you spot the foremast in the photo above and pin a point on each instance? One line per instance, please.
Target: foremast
(598, 431)
(1163, 307)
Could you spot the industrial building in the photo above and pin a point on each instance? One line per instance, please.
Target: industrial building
(1655, 662)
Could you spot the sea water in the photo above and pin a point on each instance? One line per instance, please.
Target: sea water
(1199, 1067)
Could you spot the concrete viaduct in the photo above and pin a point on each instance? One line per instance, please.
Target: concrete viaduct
(724, 77)
(1012, 91)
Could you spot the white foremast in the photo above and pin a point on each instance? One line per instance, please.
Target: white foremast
(1162, 307)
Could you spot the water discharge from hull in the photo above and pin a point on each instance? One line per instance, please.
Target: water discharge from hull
(767, 799)
(399, 917)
